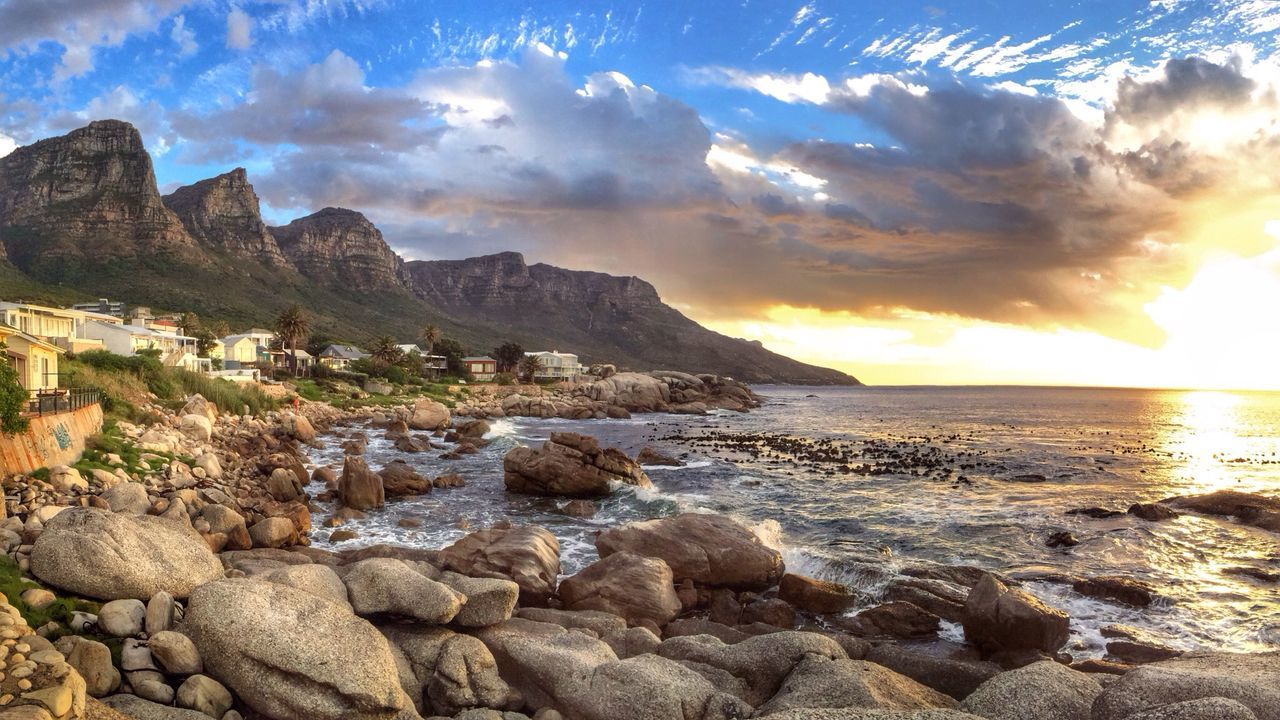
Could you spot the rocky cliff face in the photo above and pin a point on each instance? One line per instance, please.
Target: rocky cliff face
(84, 197)
(341, 246)
(602, 318)
(223, 213)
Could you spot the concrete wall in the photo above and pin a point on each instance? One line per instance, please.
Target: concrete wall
(51, 440)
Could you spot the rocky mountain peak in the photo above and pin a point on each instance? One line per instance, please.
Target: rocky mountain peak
(341, 246)
(88, 195)
(223, 213)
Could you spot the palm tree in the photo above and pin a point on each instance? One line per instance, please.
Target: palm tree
(386, 351)
(189, 323)
(530, 366)
(292, 327)
(430, 336)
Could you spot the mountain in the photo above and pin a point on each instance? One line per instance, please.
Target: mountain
(341, 246)
(69, 202)
(602, 317)
(223, 213)
(81, 216)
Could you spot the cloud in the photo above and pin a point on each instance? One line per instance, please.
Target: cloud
(79, 26)
(239, 29)
(1186, 82)
(809, 87)
(7, 145)
(184, 37)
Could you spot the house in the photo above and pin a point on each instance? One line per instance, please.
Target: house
(60, 326)
(556, 365)
(410, 349)
(239, 351)
(338, 357)
(482, 368)
(434, 366)
(129, 339)
(102, 307)
(280, 359)
(35, 360)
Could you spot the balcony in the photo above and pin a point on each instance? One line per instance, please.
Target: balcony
(52, 402)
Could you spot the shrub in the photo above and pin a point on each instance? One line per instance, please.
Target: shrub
(504, 378)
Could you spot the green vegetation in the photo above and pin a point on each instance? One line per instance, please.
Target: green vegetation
(13, 398)
(341, 393)
(111, 441)
(12, 584)
(126, 383)
(508, 355)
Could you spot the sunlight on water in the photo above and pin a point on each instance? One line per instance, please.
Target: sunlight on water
(1206, 429)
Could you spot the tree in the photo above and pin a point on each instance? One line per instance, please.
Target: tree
(453, 353)
(508, 355)
(430, 336)
(205, 340)
(13, 398)
(292, 327)
(530, 366)
(385, 350)
(189, 324)
(220, 328)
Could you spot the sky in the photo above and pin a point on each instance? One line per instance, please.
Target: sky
(991, 191)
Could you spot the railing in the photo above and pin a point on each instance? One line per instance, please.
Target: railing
(52, 402)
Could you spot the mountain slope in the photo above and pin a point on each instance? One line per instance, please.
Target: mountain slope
(80, 215)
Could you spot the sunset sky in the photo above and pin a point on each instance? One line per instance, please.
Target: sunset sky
(937, 192)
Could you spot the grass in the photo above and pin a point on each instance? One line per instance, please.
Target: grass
(111, 441)
(339, 393)
(12, 584)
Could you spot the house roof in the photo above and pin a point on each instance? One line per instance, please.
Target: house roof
(233, 339)
(9, 331)
(481, 358)
(347, 352)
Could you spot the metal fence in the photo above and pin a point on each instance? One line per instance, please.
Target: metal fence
(52, 402)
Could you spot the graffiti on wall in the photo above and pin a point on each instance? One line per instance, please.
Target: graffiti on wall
(62, 436)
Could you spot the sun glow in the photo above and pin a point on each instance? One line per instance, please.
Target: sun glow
(1221, 331)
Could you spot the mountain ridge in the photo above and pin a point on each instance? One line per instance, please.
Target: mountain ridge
(81, 213)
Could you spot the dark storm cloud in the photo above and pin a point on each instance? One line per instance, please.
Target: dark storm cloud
(1186, 82)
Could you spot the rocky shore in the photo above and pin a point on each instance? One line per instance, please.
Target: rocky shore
(180, 584)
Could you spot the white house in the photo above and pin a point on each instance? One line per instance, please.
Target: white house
(175, 350)
(557, 365)
(60, 326)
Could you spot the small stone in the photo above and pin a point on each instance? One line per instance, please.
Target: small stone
(38, 598)
(159, 613)
(206, 695)
(48, 657)
(122, 618)
(57, 699)
(175, 653)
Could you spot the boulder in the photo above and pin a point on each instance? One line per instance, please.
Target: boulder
(570, 465)
(649, 456)
(122, 618)
(894, 619)
(1256, 510)
(127, 497)
(597, 623)
(319, 580)
(211, 466)
(111, 556)
(456, 672)
(92, 660)
(489, 600)
(175, 653)
(820, 682)
(997, 617)
(273, 532)
(816, 596)
(529, 556)
(472, 429)
(289, 654)
(196, 427)
(1045, 690)
(385, 586)
(359, 488)
(940, 597)
(198, 405)
(631, 586)
(954, 677)
(399, 479)
(206, 695)
(711, 550)
(67, 480)
(136, 708)
(161, 613)
(763, 661)
(1120, 589)
(283, 485)
(1212, 708)
(298, 426)
(1251, 680)
(1153, 512)
(409, 444)
(862, 714)
(228, 523)
(427, 414)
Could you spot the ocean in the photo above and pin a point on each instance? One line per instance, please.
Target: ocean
(852, 483)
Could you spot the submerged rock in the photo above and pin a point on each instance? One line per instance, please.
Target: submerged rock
(1257, 510)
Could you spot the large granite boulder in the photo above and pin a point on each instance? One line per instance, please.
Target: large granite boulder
(570, 465)
(997, 617)
(951, 676)
(634, 392)
(1212, 708)
(822, 597)
(581, 677)
(427, 414)
(711, 550)
(528, 555)
(386, 586)
(763, 661)
(456, 672)
(820, 682)
(289, 654)
(1046, 690)
(399, 479)
(360, 488)
(113, 556)
(634, 587)
(1251, 680)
